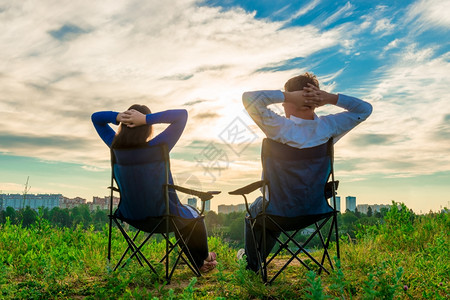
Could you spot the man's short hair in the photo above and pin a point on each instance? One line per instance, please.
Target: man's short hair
(297, 83)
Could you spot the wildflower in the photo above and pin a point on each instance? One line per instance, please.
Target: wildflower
(405, 287)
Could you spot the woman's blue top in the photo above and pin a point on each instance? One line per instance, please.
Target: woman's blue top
(177, 119)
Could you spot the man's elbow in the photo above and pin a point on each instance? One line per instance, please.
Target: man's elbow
(367, 112)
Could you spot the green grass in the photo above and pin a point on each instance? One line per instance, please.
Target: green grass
(407, 257)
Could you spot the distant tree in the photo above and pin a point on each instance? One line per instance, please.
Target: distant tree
(44, 213)
(348, 223)
(383, 211)
(11, 213)
(369, 211)
(29, 217)
(100, 218)
(211, 219)
(60, 217)
(236, 230)
(229, 218)
(86, 214)
(75, 216)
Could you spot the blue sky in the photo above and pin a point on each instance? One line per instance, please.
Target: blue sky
(62, 62)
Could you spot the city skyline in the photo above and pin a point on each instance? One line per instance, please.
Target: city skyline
(63, 61)
(103, 203)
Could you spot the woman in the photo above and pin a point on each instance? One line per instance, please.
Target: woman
(135, 129)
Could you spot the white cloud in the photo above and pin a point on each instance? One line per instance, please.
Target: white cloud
(384, 26)
(122, 56)
(411, 107)
(344, 11)
(392, 45)
(305, 9)
(167, 53)
(431, 13)
(93, 169)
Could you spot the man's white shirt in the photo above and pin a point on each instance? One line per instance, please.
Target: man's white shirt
(301, 133)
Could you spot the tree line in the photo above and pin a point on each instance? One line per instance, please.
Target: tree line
(79, 215)
(228, 226)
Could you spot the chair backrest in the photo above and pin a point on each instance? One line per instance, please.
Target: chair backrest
(297, 178)
(141, 175)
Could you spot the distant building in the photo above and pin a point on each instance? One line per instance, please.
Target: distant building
(102, 203)
(338, 202)
(19, 201)
(34, 201)
(226, 209)
(364, 208)
(192, 202)
(350, 203)
(208, 205)
(71, 203)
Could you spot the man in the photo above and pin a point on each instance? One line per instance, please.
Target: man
(300, 128)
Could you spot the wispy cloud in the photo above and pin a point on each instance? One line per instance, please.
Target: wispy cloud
(112, 57)
(384, 26)
(344, 11)
(430, 13)
(304, 10)
(64, 61)
(392, 45)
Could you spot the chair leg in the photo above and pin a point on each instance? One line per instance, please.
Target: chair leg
(302, 247)
(290, 238)
(336, 234)
(263, 253)
(252, 223)
(126, 251)
(129, 242)
(136, 250)
(325, 240)
(173, 247)
(325, 246)
(184, 249)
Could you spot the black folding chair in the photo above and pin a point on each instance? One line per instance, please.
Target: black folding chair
(298, 183)
(142, 177)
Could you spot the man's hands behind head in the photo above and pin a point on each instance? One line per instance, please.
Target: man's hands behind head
(315, 97)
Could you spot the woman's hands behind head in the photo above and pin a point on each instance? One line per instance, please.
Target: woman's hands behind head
(132, 118)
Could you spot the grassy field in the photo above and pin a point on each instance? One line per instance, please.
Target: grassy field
(406, 257)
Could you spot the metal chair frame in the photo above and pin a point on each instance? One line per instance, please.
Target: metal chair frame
(163, 225)
(275, 223)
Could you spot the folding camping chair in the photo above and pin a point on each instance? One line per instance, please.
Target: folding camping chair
(297, 182)
(142, 177)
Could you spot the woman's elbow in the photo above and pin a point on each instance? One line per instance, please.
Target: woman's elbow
(183, 114)
(94, 117)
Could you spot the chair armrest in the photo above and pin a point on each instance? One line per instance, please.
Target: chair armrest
(329, 188)
(204, 196)
(113, 188)
(248, 188)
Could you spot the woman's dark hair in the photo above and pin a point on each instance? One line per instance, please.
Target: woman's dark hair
(127, 137)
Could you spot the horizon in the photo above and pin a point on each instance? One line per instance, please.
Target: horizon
(62, 62)
(446, 208)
